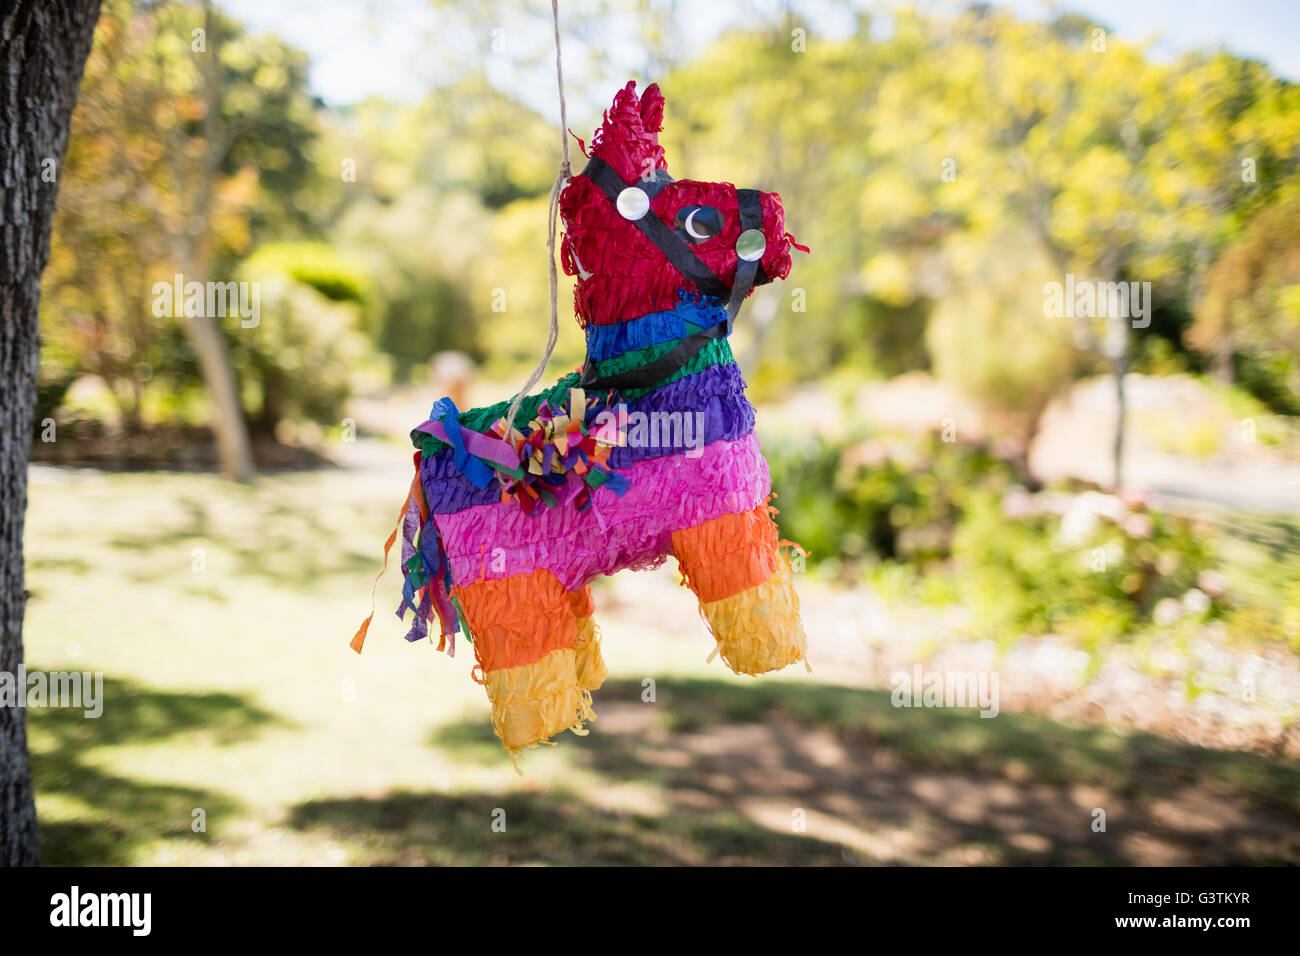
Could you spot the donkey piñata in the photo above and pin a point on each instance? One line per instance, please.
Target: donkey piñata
(648, 450)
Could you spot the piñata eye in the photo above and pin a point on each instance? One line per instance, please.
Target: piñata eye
(632, 203)
(751, 245)
(698, 223)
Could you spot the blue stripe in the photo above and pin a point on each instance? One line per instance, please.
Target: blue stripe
(694, 313)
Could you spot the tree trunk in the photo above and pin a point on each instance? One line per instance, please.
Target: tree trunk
(1117, 349)
(43, 50)
(1223, 356)
(234, 449)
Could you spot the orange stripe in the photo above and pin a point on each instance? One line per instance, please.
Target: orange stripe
(725, 555)
(519, 619)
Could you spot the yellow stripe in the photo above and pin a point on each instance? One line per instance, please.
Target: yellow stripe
(533, 702)
(589, 663)
(759, 629)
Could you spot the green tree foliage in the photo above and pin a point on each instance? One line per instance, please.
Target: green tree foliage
(942, 172)
(130, 177)
(1252, 299)
(963, 162)
(299, 360)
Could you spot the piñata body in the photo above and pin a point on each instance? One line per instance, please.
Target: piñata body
(647, 451)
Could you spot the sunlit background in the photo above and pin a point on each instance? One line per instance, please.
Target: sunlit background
(1104, 513)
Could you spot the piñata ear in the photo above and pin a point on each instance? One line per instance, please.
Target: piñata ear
(626, 139)
(652, 109)
(625, 102)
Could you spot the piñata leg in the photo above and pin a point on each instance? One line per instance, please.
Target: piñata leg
(538, 664)
(589, 662)
(736, 570)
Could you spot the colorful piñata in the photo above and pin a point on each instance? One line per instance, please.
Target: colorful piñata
(648, 450)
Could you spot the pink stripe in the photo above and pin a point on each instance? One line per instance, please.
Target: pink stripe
(634, 531)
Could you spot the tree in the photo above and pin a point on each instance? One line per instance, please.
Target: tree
(159, 180)
(43, 49)
(1252, 300)
(234, 449)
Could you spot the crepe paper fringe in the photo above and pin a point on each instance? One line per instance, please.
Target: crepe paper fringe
(628, 136)
(562, 458)
(728, 554)
(359, 639)
(559, 460)
(589, 663)
(426, 588)
(759, 629)
(717, 352)
(716, 394)
(533, 702)
(693, 313)
(519, 619)
(634, 531)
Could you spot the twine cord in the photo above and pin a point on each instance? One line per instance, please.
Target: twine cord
(552, 220)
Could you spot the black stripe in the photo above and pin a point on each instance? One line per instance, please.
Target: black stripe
(652, 373)
(751, 217)
(673, 246)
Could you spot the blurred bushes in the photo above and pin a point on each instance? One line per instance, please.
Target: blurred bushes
(300, 359)
(314, 264)
(949, 522)
(883, 499)
(418, 255)
(1094, 573)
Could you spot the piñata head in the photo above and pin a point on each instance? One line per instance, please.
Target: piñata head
(636, 238)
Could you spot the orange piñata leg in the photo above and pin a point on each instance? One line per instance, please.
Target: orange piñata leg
(539, 665)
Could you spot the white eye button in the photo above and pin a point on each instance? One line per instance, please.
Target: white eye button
(632, 203)
(750, 245)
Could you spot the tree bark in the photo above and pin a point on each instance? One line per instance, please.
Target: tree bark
(234, 448)
(43, 50)
(1117, 350)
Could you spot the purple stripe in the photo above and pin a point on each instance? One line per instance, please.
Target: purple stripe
(718, 392)
(634, 531)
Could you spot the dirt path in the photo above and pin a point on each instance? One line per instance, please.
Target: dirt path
(878, 808)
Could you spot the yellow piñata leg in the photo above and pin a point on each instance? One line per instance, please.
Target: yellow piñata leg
(746, 596)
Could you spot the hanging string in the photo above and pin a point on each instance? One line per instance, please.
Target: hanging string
(552, 217)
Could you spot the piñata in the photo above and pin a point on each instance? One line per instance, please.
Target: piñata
(647, 450)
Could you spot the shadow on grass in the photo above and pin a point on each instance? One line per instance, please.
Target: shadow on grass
(1017, 746)
(557, 828)
(115, 814)
(927, 785)
(282, 531)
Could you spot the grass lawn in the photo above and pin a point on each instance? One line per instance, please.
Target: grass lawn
(220, 617)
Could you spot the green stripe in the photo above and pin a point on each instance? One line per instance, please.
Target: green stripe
(716, 352)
